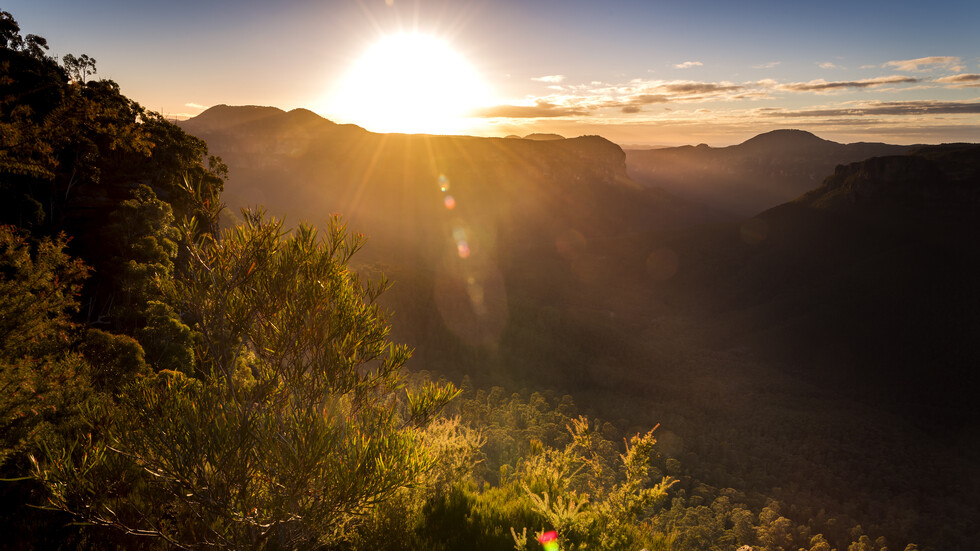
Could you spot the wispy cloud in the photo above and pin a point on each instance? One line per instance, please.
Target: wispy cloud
(924, 63)
(628, 98)
(828, 65)
(195, 105)
(882, 108)
(633, 101)
(961, 81)
(540, 109)
(552, 79)
(769, 65)
(688, 64)
(959, 78)
(699, 87)
(821, 85)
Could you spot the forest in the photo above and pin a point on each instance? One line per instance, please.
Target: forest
(176, 375)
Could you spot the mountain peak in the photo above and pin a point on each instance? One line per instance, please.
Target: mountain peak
(237, 113)
(255, 118)
(544, 137)
(784, 139)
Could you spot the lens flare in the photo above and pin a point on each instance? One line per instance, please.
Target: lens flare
(549, 540)
(472, 301)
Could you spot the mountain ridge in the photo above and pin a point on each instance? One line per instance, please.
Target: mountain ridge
(746, 178)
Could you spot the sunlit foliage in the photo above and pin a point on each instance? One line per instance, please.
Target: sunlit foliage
(295, 426)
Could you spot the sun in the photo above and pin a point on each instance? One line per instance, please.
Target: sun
(412, 83)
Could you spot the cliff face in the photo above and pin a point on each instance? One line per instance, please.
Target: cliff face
(927, 178)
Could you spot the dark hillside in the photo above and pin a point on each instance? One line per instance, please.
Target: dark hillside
(866, 284)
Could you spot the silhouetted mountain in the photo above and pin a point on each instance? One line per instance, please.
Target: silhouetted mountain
(544, 137)
(744, 179)
(784, 141)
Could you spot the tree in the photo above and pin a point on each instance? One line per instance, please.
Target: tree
(297, 423)
(79, 67)
(142, 240)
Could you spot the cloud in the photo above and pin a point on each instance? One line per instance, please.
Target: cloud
(769, 65)
(541, 109)
(827, 65)
(195, 106)
(647, 99)
(961, 81)
(923, 63)
(552, 79)
(688, 64)
(959, 78)
(628, 98)
(821, 85)
(881, 108)
(699, 87)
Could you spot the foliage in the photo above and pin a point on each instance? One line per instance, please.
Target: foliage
(38, 291)
(294, 426)
(116, 360)
(579, 494)
(42, 381)
(594, 494)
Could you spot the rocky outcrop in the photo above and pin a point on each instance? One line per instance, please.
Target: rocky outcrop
(931, 176)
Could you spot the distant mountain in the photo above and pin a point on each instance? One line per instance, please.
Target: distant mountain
(537, 136)
(544, 137)
(744, 179)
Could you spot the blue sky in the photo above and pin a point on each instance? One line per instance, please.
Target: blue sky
(636, 72)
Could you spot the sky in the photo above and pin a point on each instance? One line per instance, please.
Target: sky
(636, 72)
